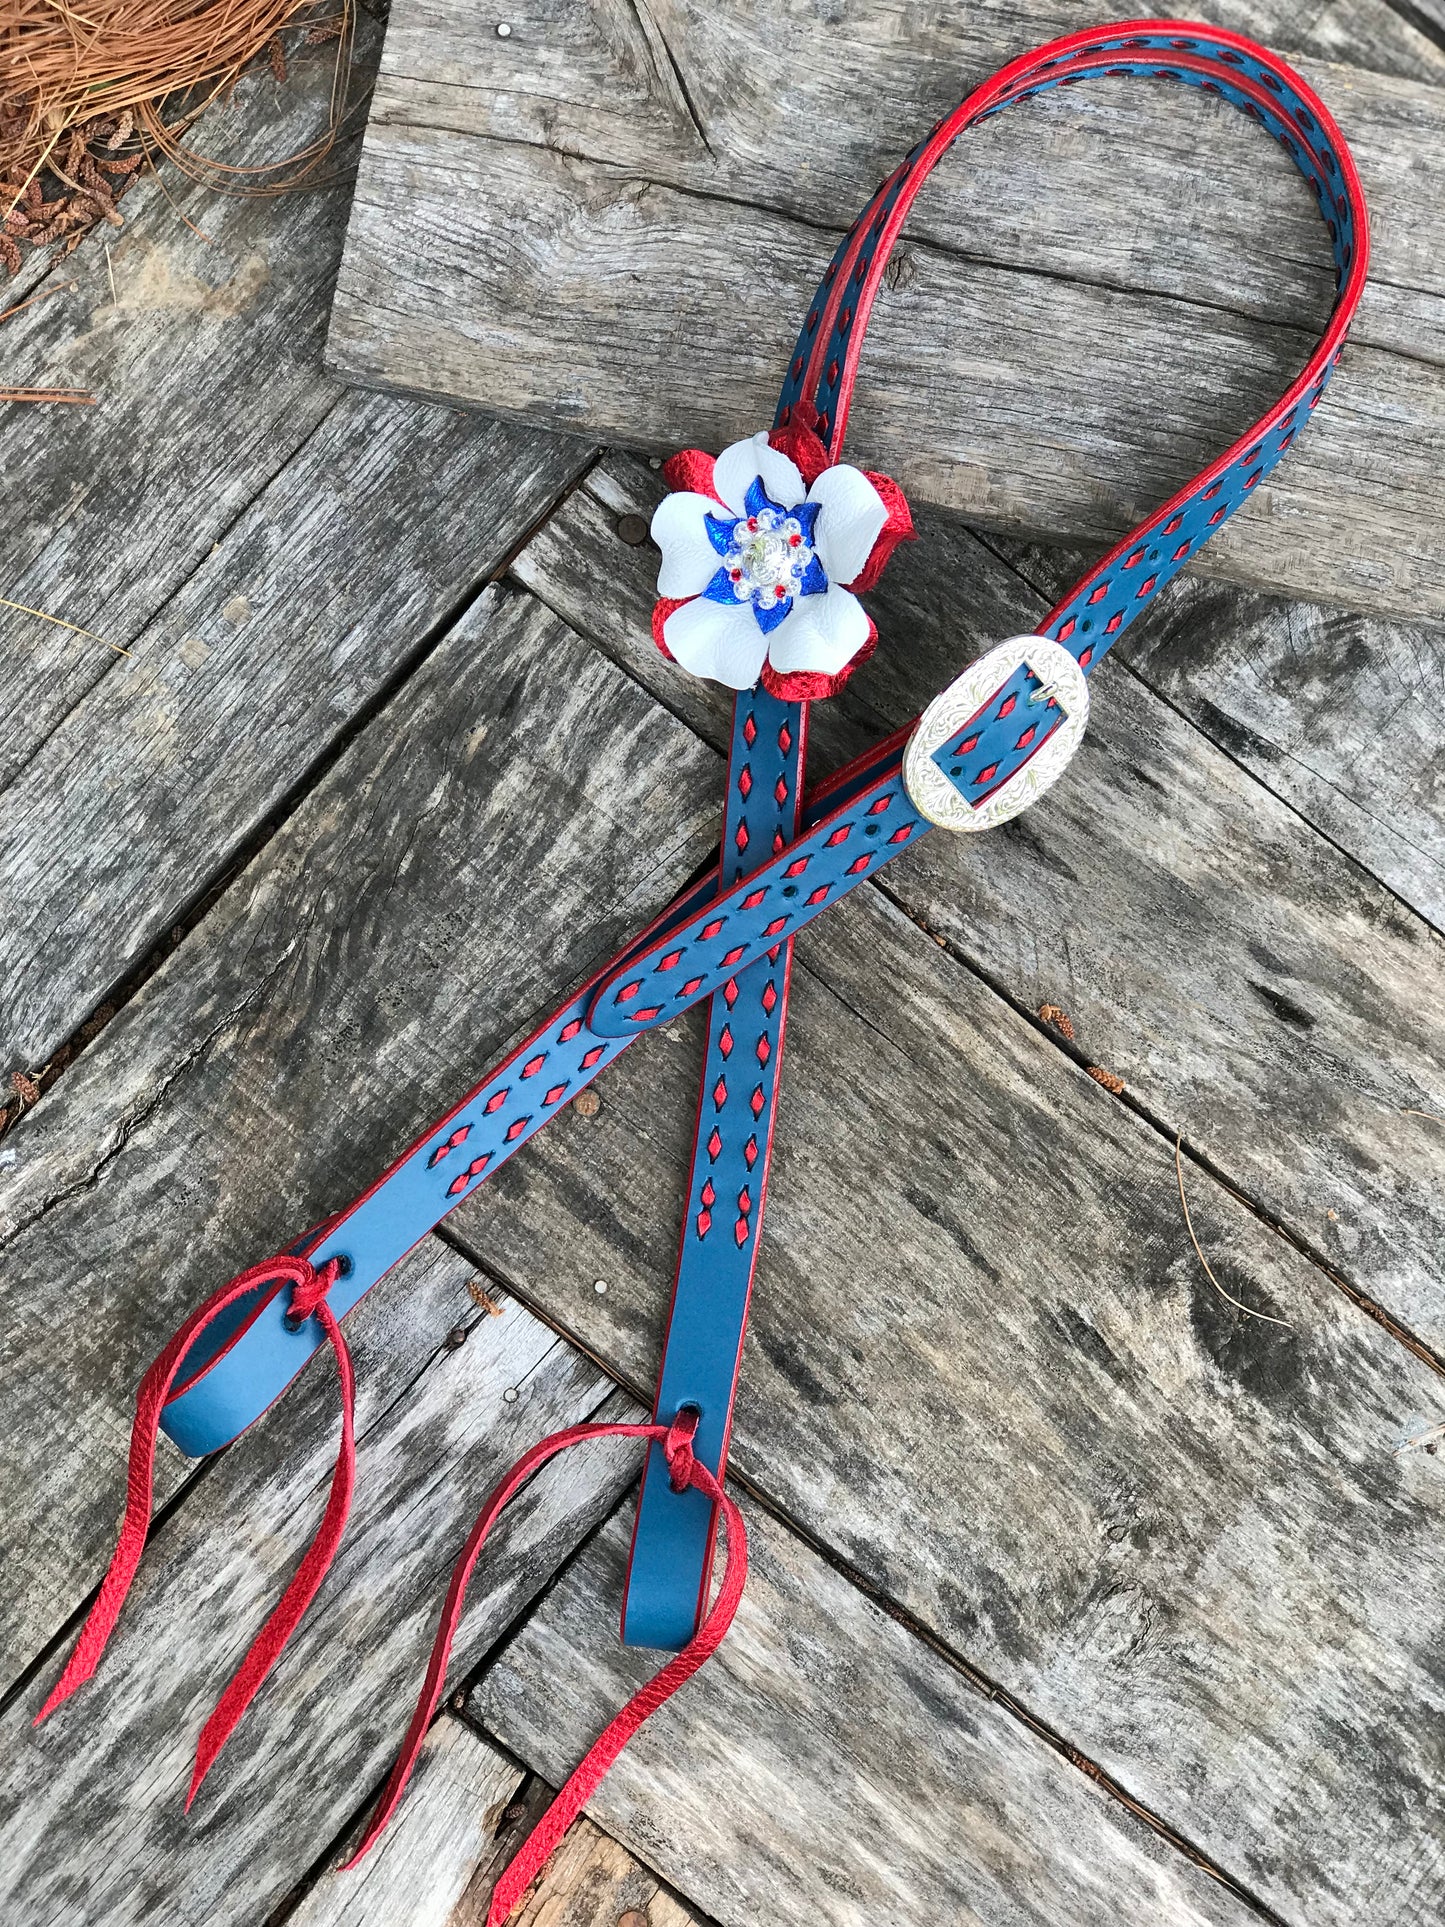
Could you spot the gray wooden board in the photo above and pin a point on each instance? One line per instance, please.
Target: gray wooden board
(371, 522)
(826, 1768)
(1338, 714)
(1253, 985)
(157, 1160)
(103, 1783)
(465, 1811)
(204, 369)
(612, 221)
(1404, 37)
(299, 1037)
(987, 1372)
(424, 1870)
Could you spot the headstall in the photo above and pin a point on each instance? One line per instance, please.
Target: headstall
(763, 552)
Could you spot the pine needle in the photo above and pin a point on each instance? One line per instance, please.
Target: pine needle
(91, 96)
(1422, 1441)
(80, 396)
(44, 294)
(1248, 1310)
(74, 627)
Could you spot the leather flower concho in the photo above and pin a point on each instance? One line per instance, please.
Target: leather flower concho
(763, 551)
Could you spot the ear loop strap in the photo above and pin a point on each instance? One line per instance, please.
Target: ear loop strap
(722, 1224)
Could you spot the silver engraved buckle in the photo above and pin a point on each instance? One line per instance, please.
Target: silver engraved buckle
(1061, 682)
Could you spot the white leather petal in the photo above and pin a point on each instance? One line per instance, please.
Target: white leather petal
(820, 632)
(689, 560)
(738, 465)
(719, 640)
(851, 514)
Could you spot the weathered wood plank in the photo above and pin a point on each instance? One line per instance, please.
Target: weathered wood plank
(204, 362)
(1428, 17)
(372, 521)
(330, 584)
(1254, 988)
(1386, 38)
(425, 1870)
(1335, 713)
(466, 1811)
(1074, 339)
(827, 1767)
(299, 1037)
(92, 1804)
(987, 1371)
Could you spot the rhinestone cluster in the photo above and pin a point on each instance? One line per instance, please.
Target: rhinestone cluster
(767, 558)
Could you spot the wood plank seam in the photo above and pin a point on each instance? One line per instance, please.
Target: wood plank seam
(55, 1649)
(522, 1800)
(977, 1677)
(1196, 1154)
(209, 889)
(1162, 695)
(149, 617)
(344, 1839)
(146, 1108)
(1431, 25)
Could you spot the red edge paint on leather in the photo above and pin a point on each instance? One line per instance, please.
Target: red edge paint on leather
(309, 1286)
(780, 1020)
(1078, 56)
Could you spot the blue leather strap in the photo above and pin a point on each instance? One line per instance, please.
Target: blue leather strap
(672, 1543)
(672, 1546)
(728, 935)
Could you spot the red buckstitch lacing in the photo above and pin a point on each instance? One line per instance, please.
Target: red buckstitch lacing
(546, 1836)
(309, 1285)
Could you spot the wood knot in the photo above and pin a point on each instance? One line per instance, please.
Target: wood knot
(901, 271)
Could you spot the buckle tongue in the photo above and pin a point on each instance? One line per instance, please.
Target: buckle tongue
(934, 759)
